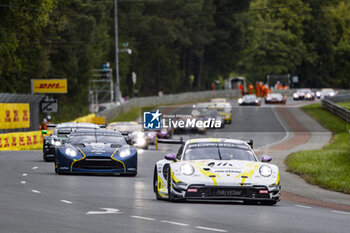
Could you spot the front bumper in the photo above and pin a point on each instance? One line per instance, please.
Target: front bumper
(49, 150)
(258, 192)
(96, 165)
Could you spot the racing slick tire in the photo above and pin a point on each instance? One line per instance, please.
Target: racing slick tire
(171, 196)
(155, 184)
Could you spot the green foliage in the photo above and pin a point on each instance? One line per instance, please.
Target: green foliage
(177, 45)
(329, 167)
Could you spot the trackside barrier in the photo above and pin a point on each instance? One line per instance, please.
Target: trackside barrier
(336, 109)
(21, 141)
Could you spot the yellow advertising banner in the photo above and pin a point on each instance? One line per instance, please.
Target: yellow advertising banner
(14, 116)
(21, 141)
(58, 86)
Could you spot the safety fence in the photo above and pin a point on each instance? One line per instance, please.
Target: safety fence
(112, 110)
(330, 105)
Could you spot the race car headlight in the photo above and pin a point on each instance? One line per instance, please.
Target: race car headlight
(240, 100)
(71, 152)
(318, 94)
(265, 171)
(308, 95)
(256, 101)
(186, 169)
(125, 152)
(332, 94)
(57, 143)
(295, 95)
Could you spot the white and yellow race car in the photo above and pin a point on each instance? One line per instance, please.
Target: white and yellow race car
(221, 169)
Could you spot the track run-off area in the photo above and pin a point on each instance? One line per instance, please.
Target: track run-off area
(35, 199)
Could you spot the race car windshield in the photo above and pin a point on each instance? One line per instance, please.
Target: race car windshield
(219, 151)
(92, 138)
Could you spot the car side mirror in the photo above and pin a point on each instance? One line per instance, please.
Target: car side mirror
(171, 157)
(43, 132)
(266, 159)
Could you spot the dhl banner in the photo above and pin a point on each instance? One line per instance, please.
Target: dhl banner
(58, 86)
(21, 141)
(14, 116)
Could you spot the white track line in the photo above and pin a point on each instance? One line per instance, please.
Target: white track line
(34, 168)
(23, 182)
(35, 191)
(287, 133)
(24, 174)
(303, 206)
(67, 202)
(210, 229)
(340, 212)
(143, 218)
(175, 223)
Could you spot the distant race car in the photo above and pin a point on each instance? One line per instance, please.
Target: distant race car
(96, 151)
(304, 94)
(249, 100)
(60, 135)
(326, 92)
(133, 131)
(224, 109)
(216, 169)
(275, 98)
(164, 133)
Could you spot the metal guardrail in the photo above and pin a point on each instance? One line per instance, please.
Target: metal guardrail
(112, 110)
(330, 105)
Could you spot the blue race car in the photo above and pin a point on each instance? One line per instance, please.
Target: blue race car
(96, 151)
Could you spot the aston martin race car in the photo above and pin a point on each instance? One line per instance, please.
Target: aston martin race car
(220, 169)
(60, 136)
(96, 151)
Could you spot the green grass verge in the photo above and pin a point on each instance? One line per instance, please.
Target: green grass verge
(344, 104)
(132, 114)
(329, 167)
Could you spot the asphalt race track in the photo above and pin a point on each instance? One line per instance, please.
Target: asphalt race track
(34, 199)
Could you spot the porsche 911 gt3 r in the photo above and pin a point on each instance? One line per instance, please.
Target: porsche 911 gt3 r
(96, 151)
(217, 169)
